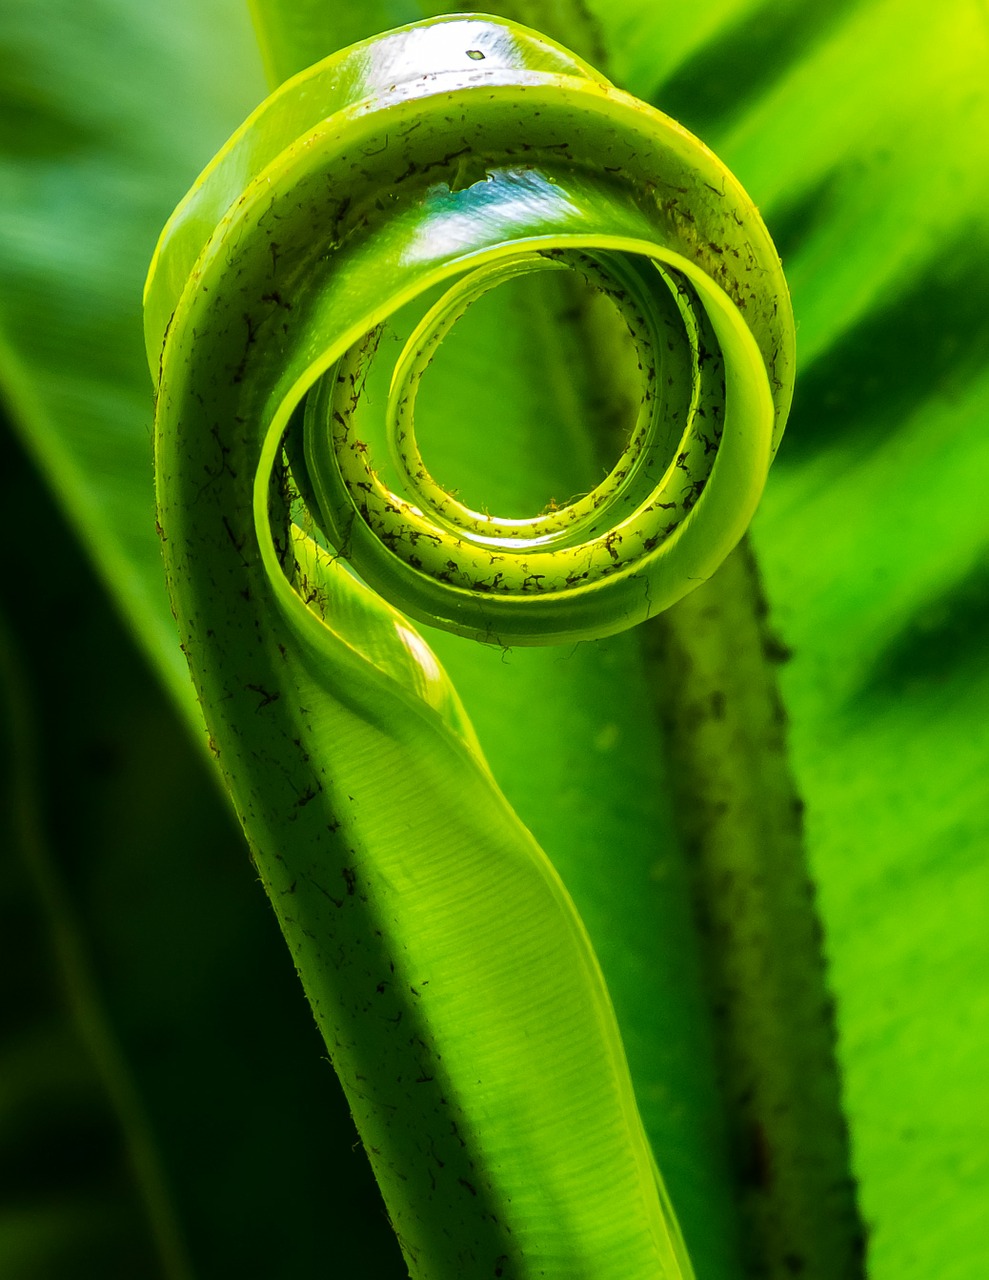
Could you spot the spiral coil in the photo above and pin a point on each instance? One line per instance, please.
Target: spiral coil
(464, 153)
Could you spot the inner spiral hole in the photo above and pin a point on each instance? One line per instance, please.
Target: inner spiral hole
(544, 378)
(525, 404)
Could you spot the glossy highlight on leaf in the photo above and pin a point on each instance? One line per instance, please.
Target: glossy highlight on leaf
(452, 979)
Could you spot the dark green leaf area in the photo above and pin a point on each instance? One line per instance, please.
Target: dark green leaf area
(802, 215)
(68, 1208)
(190, 975)
(58, 1142)
(927, 341)
(728, 73)
(33, 123)
(944, 643)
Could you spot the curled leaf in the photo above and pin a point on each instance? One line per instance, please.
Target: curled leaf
(453, 981)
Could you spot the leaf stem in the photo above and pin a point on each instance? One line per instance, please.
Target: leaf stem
(762, 939)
